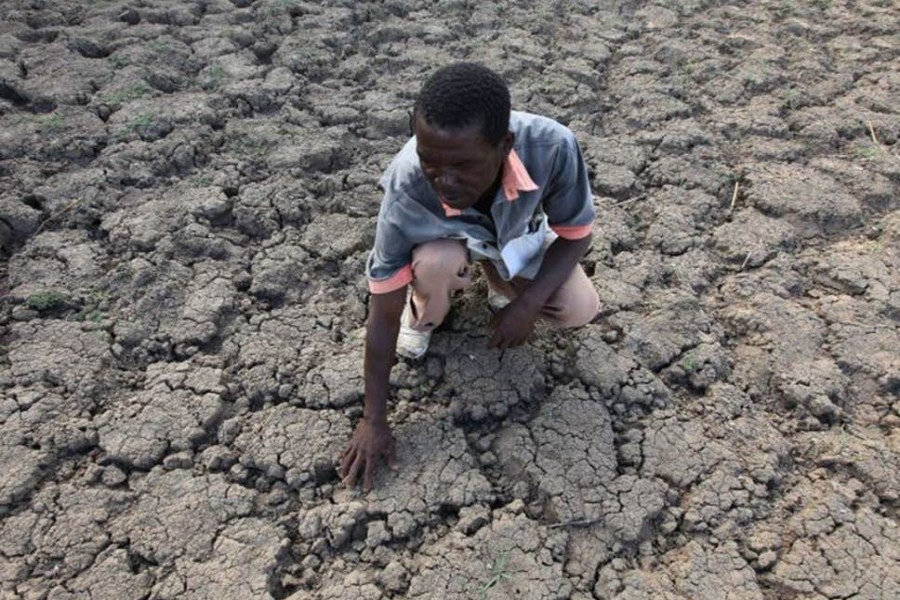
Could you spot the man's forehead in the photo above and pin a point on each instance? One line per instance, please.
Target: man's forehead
(467, 137)
(474, 124)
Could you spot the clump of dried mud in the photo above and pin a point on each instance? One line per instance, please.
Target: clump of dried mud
(187, 195)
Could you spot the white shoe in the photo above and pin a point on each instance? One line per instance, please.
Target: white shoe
(496, 300)
(411, 343)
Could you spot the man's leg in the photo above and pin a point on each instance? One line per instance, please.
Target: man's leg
(440, 268)
(573, 304)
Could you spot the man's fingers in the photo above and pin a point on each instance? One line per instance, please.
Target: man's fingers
(347, 451)
(346, 461)
(370, 473)
(350, 479)
(495, 339)
(499, 341)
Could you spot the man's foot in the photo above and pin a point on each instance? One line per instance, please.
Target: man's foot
(411, 343)
(496, 300)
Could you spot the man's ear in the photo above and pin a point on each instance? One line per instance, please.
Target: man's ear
(508, 141)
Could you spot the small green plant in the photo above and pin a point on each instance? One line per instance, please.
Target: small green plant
(52, 123)
(688, 363)
(783, 10)
(246, 145)
(94, 316)
(200, 181)
(793, 99)
(865, 150)
(101, 295)
(875, 246)
(125, 94)
(46, 301)
(216, 76)
(132, 127)
(498, 573)
(755, 75)
(158, 46)
(117, 62)
(142, 120)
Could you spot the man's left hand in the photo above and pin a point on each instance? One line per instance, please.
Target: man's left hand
(512, 324)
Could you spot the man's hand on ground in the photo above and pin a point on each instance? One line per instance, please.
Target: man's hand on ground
(371, 441)
(512, 324)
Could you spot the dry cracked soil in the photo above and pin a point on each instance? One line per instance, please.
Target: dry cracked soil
(187, 196)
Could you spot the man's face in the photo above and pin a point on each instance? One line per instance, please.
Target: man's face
(460, 164)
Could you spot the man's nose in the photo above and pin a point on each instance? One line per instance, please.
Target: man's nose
(445, 178)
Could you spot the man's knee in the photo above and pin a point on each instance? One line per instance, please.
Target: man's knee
(579, 308)
(440, 258)
(576, 303)
(439, 267)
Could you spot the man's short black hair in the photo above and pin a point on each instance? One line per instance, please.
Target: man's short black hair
(463, 94)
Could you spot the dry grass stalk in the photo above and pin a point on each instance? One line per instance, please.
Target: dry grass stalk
(875, 141)
(58, 213)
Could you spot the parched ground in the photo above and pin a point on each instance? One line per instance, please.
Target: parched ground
(187, 196)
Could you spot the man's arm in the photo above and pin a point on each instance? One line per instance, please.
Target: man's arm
(512, 325)
(372, 440)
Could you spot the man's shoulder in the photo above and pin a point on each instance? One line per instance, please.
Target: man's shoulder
(543, 144)
(407, 194)
(403, 176)
(531, 129)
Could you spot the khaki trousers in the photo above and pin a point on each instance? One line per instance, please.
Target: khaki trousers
(442, 267)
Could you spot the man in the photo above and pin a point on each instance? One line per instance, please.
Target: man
(477, 181)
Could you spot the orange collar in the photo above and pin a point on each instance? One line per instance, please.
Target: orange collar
(515, 179)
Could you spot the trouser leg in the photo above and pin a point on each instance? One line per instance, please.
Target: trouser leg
(573, 304)
(439, 267)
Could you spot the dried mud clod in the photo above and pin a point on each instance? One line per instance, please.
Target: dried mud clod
(187, 196)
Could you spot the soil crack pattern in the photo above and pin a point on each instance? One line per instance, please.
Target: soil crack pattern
(188, 198)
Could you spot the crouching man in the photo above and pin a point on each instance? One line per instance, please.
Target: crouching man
(476, 182)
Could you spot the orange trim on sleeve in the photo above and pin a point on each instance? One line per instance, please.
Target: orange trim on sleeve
(396, 281)
(572, 232)
(516, 177)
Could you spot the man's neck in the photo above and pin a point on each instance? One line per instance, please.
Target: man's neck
(487, 200)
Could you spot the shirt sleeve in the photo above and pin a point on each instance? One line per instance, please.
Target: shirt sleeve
(389, 266)
(568, 203)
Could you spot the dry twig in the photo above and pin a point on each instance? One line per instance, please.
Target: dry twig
(575, 523)
(872, 133)
(58, 213)
(878, 144)
(734, 196)
(629, 201)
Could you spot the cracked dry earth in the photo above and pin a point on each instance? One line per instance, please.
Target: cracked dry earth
(187, 197)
